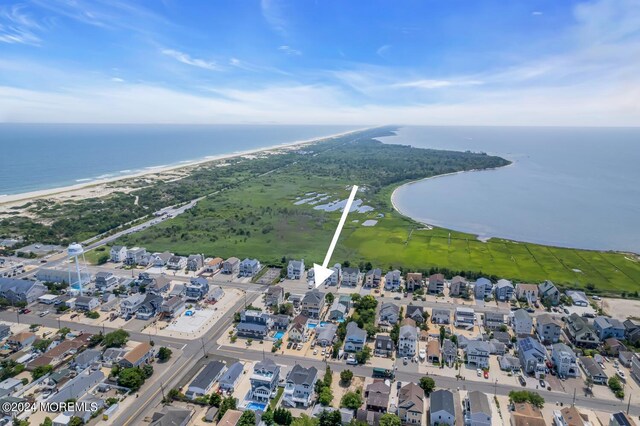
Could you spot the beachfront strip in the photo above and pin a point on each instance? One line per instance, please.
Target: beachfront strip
(363, 347)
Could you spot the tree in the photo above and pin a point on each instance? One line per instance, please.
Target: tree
(76, 421)
(588, 383)
(363, 356)
(131, 378)
(329, 298)
(164, 354)
(346, 376)
(41, 370)
(47, 422)
(42, 344)
(115, 339)
(282, 416)
(248, 418)
(428, 385)
(228, 403)
(443, 333)
(389, 419)
(215, 399)
(96, 339)
(330, 418)
(395, 333)
(352, 400)
(64, 331)
(526, 396)
(304, 420)
(325, 396)
(147, 371)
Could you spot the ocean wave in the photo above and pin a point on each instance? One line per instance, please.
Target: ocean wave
(84, 180)
(105, 176)
(126, 171)
(156, 167)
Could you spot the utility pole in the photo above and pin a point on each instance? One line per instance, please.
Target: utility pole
(204, 353)
(629, 403)
(574, 398)
(162, 390)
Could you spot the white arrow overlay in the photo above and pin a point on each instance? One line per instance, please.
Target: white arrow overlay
(321, 273)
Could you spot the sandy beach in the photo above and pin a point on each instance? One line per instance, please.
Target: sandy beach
(102, 187)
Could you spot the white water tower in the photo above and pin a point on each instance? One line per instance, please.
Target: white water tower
(76, 253)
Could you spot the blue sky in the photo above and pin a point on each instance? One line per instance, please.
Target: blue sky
(487, 62)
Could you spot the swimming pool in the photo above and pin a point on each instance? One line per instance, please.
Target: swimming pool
(278, 335)
(256, 406)
(312, 324)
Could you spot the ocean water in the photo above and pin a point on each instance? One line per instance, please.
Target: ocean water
(569, 187)
(44, 156)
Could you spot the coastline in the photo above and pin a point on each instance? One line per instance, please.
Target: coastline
(12, 199)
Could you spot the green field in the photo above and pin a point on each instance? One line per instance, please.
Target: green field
(259, 219)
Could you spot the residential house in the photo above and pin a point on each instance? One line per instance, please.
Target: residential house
(389, 313)
(230, 418)
(504, 290)
(632, 331)
(433, 351)
(548, 328)
(414, 281)
(197, 288)
(216, 294)
(312, 304)
(532, 356)
(372, 278)
(21, 291)
(355, 338)
(442, 410)
(411, 404)
(525, 414)
(195, 262)
(509, 363)
(60, 276)
(118, 254)
(77, 387)
(436, 284)
(326, 334)
(570, 416)
(134, 255)
(459, 287)
(298, 330)
(5, 331)
(502, 337)
(350, 276)
(160, 260)
(86, 303)
(177, 263)
(477, 352)
(249, 268)
(593, 370)
(170, 416)
(493, 320)
(496, 347)
(295, 269)
(137, 356)
(85, 359)
(106, 281)
(112, 356)
(449, 352)
(393, 280)
(483, 288)
(345, 299)
(564, 360)
(172, 307)
(626, 358)
(522, 322)
(214, 265)
(580, 332)
(384, 346)
(178, 289)
(231, 266)
(527, 292)
(295, 300)
(407, 341)
(612, 346)
(376, 396)
(578, 298)
(264, 380)
(299, 386)
(337, 311)
(130, 305)
(477, 409)
(416, 313)
(149, 307)
(549, 293)
(153, 285)
(620, 419)
(254, 324)
(608, 327)
(464, 317)
(441, 316)
(274, 296)
(231, 377)
(280, 322)
(203, 383)
(21, 340)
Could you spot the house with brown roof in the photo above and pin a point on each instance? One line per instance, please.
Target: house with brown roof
(528, 292)
(377, 396)
(137, 356)
(57, 355)
(433, 351)
(570, 416)
(214, 265)
(230, 418)
(411, 404)
(525, 414)
(414, 281)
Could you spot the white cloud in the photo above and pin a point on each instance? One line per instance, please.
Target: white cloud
(17, 27)
(188, 60)
(536, 13)
(289, 50)
(274, 15)
(437, 84)
(383, 49)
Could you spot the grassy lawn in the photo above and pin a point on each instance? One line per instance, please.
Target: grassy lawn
(93, 257)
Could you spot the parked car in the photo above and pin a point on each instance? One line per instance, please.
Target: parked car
(351, 360)
(423, 354)
(595, 297)
(621, 375)
(543, 385)
(522, 380)
(486, 374)
(44, 313)
(289, 345)
(479, 372)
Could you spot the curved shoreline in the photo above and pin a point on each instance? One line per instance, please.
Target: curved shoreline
(6, 199)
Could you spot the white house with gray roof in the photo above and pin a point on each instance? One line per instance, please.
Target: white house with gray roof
(522, 322)
(299, 386)
(477, 409)
(407, 341)
(547, 291)
(264, 380)
(389, 313)
(442, 411)
(350, 276)
(118, 254)
(532, 356)
(478, 352)
(231, 377)
(564, 360)
(15, 290)
(295, 269)
(441, 316)
(203, 383)
(355, 338)
(504, 290)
